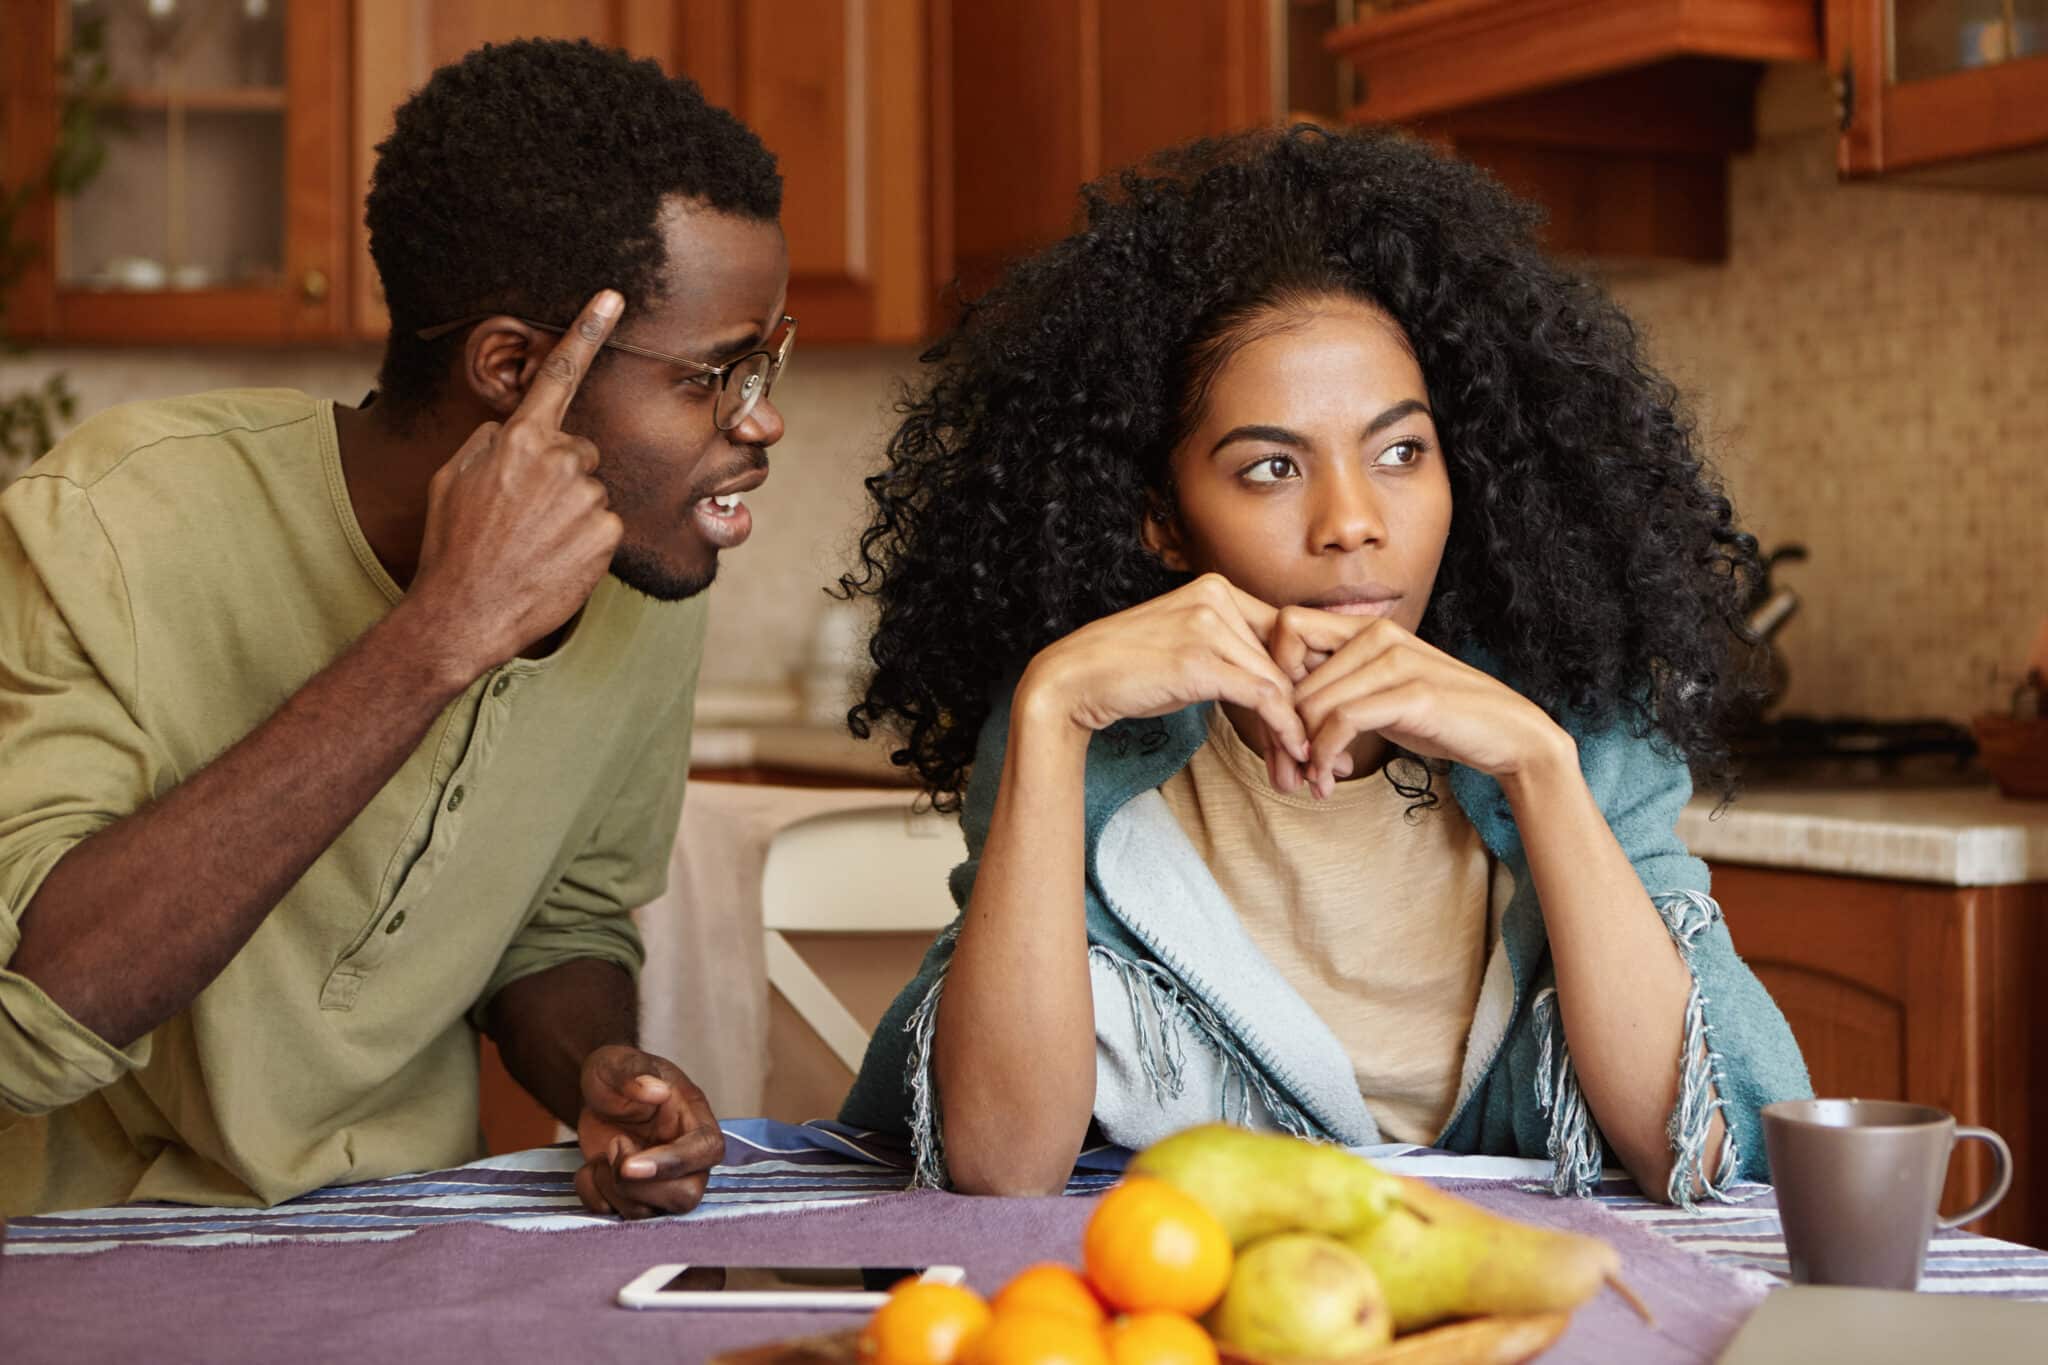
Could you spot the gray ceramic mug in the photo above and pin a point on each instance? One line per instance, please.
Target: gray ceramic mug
(1859, 1186)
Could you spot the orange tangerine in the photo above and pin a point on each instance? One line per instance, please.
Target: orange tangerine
(1152, 1246)
(1050, 1288)
(1159, 1339)
(1029, 1337)
(923, 1324)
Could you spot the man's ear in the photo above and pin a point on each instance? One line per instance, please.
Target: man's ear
(500, 360)
(1159, 532)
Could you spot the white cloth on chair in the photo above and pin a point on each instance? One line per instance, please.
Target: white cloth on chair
(704, 989)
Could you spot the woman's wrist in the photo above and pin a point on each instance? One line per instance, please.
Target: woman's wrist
(1549, 759)
(1042, 711)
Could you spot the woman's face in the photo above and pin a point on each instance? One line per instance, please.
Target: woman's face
(1314, 477)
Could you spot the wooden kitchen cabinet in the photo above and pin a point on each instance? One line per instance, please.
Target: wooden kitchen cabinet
(915, 137)
(1952, 91)
(1050, 94)
(220, 214)
(842, 91)
(1920, 992)
(1618, 119)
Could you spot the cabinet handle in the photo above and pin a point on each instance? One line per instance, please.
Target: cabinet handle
(313, 285)
(1845, 96)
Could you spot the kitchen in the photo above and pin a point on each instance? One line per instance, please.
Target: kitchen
(1826, 219)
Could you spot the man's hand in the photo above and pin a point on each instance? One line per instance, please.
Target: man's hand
(519, 529)
(648, 1135)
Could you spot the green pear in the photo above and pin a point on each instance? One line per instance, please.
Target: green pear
(1299, 1296)
(1467, 1262)
(1258, 1184)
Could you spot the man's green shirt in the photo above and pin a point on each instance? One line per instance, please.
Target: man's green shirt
(169, 575)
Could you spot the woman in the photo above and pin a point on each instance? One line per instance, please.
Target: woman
(1294, 491)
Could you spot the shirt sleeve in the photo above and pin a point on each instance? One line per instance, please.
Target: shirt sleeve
(73, 759)
(623, 865)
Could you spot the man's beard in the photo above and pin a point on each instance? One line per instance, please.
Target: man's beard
(644, 573)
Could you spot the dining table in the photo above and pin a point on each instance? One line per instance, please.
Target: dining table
(498, 1260)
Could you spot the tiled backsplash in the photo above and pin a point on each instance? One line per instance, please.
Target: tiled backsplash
(1870, 368)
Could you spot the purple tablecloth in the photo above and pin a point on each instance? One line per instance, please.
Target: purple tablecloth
(462, 1292)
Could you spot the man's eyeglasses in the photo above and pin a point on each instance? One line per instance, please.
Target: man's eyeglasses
(742, 382)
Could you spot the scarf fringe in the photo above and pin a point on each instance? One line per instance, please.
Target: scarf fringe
(927, 1144)
(1161, 1013)
(1574, 1144)
(1574, 1141)
(1689, 914)
(1157, 999)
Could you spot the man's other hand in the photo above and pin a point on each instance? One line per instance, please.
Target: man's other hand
(648, 1136)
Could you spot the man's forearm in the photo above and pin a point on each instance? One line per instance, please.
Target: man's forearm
(547, 1023)
(135, 921)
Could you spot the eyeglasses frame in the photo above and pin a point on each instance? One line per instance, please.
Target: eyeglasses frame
(777, 358)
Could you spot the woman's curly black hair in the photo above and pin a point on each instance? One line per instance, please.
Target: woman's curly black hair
(530, 175)
(1591, 551)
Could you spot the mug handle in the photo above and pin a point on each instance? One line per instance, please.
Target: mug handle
(1999, 1185)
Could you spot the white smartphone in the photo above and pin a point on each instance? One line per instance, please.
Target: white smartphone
(773, 1288)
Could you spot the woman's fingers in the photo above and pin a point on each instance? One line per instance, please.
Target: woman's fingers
(1258, 615)
(1250, 679)
(1301, 638)
(1338, 709)
(1365, 713)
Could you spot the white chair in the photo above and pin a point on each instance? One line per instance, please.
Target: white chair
(876, 871)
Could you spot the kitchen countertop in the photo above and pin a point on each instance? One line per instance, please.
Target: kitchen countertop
(797, 746)
(1956, 836)
(766, 726)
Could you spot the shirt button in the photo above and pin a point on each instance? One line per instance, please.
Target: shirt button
(396, 920)
(455, 799)
(498, 688)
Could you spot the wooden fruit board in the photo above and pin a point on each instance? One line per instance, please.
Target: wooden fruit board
(1481, 1341)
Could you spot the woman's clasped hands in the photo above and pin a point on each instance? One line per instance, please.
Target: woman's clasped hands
(1321, 692)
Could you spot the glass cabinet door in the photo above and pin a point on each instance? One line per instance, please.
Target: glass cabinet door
(219, 212)
(1936, 37)
(1953, 91)
(192, 193)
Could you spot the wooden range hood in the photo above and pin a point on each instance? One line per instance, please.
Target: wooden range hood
(1617, 116)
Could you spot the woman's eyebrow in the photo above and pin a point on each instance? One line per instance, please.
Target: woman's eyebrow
(1276, 435)
(1407, 407)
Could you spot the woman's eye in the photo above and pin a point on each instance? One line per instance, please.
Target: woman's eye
(1272, 469)
(1401, 453)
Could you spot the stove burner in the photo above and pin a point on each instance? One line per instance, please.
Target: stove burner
(1856, 749)
(1853, 736)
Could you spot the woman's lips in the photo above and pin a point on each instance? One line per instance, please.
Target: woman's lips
(1383, 606)
(1358, 599)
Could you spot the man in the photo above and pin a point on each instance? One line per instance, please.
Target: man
(325, 737)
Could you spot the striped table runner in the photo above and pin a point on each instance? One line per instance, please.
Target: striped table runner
(773, 1166)
(768, 1166)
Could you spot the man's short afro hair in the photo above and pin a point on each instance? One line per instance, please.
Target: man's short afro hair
(528, 176)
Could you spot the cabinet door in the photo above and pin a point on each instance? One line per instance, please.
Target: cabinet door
(842, 93)
(839, 90)
(1904, 991)
(1050, 94)
(1930, 83)
(217, 216)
